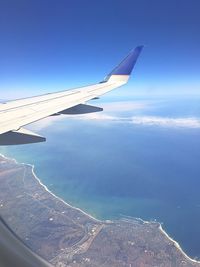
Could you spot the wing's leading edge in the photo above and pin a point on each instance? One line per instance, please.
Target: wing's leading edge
(14, 115)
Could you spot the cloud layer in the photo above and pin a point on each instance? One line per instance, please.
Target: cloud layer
(111, 114)
(167, 122)
(137, 120)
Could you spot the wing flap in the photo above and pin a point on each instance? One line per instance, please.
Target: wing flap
(22, 136)
(81, 109)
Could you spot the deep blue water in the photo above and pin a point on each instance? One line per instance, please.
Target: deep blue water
(114, 169)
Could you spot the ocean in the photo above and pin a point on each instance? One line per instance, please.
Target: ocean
(141, 162)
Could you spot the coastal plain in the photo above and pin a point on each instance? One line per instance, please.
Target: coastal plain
(66, 236)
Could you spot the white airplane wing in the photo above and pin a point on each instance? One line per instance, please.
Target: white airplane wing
(14, 115)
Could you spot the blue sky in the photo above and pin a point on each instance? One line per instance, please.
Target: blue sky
(51, 45)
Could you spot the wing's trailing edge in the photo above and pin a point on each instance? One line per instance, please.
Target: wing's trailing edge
(14, 115)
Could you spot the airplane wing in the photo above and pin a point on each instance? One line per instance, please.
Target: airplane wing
(14, 115)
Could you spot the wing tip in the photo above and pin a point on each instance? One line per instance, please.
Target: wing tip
(127, 64)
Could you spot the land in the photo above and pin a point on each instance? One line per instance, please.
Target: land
(66, 236)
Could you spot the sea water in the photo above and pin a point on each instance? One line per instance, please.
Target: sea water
(115, 167)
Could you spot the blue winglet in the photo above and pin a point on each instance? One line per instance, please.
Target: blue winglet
(126, 66)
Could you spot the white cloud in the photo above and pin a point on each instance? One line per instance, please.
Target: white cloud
(137, 120)
(44, 123)
(167, 122)
(148, 120)
(112, 113)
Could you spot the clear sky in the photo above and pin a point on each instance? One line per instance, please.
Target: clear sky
(49, 45)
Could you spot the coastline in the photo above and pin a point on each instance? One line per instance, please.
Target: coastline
(49, 191)
(176, 244)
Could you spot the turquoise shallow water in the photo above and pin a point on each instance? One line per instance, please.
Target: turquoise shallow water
(111, 169)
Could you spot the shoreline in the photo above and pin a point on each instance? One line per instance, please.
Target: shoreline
(47, 189)
(176, 244)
